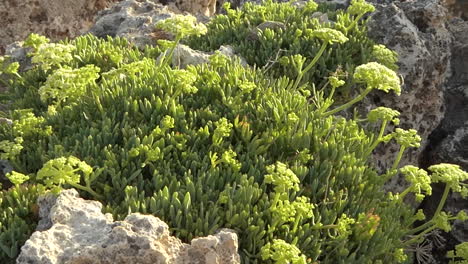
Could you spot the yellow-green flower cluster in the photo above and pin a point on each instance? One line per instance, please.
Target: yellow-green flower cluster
(289, 212)
(282, 252)
(8, 68)
(360, 7)
(282, 178)
(384, 114)
(129, 69)
(452, 175)
(27, 124)
(17, 178)
(63, 170)
(182, 26)
(335, 82)
(222, 130)
(184, 80)
(167, 122)
(229, 158)
(329, 35)
(419, 179)
(377, 76)
(385, 56)
(460, 252)
(35, 41)
(247, 86)
(407, 138)
(344, 226)
(68, 83)
(10, 149)
(400, 255)
(52, 54)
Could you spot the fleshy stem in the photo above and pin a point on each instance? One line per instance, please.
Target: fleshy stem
(379, 138)
(311, 64)
(404, 193)
(166, 59)
(348, 104)
(296, 223)
(438, 210)
(397, 160)
(86, 189)
(354, 22)
(416, 238)
(324, 227)
(443, 199)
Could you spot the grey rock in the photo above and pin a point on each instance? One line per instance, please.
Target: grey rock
(449, 141)
(134, 20)
(417, 30)
(18, 53)
(322, 17)
(75, 231)
(5, 167)
(184, 55)
(337, 3)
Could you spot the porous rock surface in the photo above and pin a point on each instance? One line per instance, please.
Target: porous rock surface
(56, 19)
(431, 37)
(74, 231)
(417, 31)
(136, 21)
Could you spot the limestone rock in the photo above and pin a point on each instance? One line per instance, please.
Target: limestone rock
(203, 7)
(134, 20)
(184, 55)
(417, 31)
(449, 142)
(54, 18)
(79, 233)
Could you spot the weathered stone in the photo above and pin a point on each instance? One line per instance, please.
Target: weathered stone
(184, 55)
(79, 233)
(5, 167)
(449, 141)
(417, 31)
(203, 7)
(134, 20)
(56, 19)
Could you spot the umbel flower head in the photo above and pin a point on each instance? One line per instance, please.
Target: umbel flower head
(182, 26)
(419, 179)
(385, 56)
(8, 68)
(282, 178)
(329, 35)
(360, 7)
(282, 252)
(450, 174)
(17, 178)
(407, 138)
(377, 76)
(384, 114)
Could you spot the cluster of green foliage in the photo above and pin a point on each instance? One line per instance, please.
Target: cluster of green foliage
(220, 145)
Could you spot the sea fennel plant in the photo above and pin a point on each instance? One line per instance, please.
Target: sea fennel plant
(219, 144)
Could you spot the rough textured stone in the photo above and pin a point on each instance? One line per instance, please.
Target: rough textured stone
(203, 7)
(184, 55)
(417, 30)
(79, 233)
(449, 141)
(134, 20)
(56, 19)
